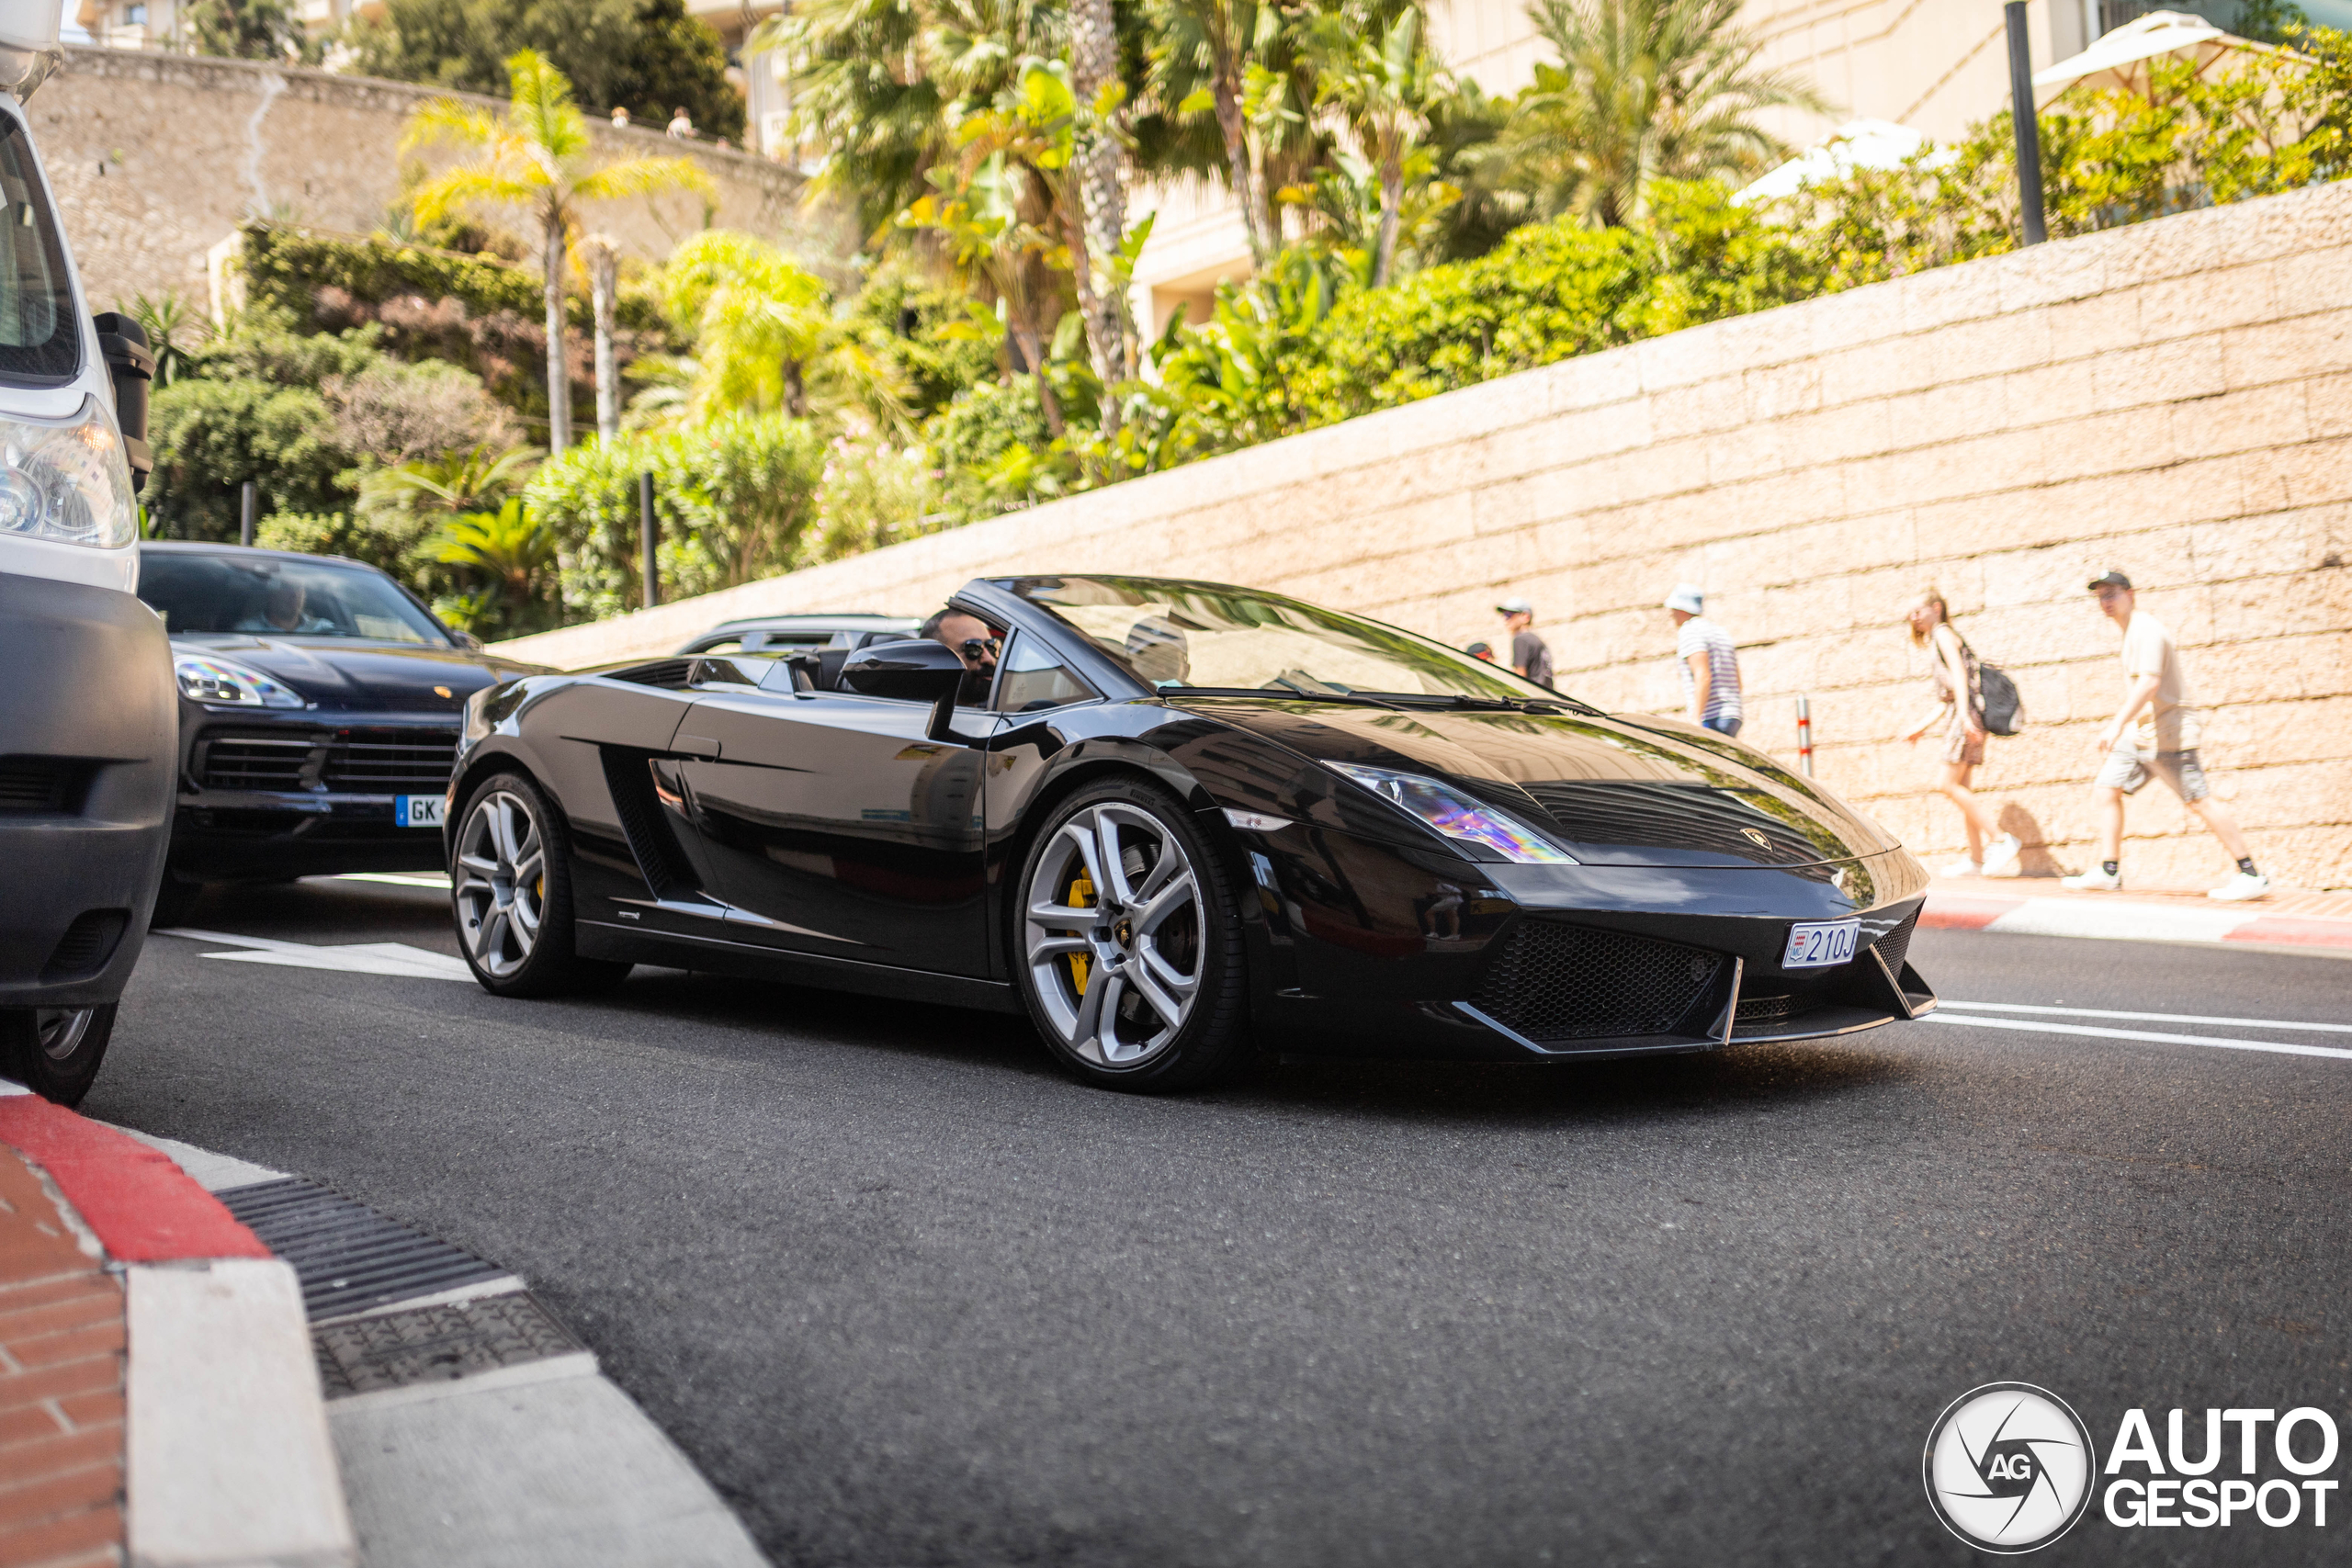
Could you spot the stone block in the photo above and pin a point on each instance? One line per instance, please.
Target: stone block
(1699, 408)
(2316, 345)
(1947, 296)
(2241, 422)
(2100, 324)
(1859, 316)
(1777, 391)
(1976, 466)
(1877, 369)
(2316, 473)
(1679, 359)
(1958, 410)
(2315, 280)
(2201, 303)
(2157, 373)
(2110, 443)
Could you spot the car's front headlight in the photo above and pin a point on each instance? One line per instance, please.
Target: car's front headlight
(67, 482)
(1455, 816)
(205, 679)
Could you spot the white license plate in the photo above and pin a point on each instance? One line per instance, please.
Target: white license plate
(1815, 945)
(423, 811)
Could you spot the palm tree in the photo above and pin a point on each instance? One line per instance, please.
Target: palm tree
(1378, 71)
(510, 549)
(765, 339)
(1204, 51)
(1644, 90)
(1101, 168)
(536, 156)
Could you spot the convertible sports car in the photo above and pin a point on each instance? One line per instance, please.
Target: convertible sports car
(1167, 819)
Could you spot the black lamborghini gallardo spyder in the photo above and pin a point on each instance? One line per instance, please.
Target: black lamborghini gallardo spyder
(1171, 822)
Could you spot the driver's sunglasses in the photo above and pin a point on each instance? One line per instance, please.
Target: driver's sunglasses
(982, 647)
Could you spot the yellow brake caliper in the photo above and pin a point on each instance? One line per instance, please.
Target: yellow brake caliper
(1080, 896)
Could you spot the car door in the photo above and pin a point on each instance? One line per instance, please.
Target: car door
(835, 827)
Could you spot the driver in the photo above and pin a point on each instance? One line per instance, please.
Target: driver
(976, 643)
(281, 611)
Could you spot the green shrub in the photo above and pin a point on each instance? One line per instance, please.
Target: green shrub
(211, 436)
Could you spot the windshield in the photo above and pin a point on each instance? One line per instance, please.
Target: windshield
(1176, 634)
(40, 339)
(271, 596)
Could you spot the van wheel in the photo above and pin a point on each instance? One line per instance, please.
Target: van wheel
(55, 1052)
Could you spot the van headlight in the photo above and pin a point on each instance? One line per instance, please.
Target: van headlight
(1455, 816)
(68, 482)
(225, 683)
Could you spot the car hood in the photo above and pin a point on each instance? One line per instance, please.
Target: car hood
(1629, 790)
(351, 673)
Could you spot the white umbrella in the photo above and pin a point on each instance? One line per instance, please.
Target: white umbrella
(1858, 144)
(2121, 59)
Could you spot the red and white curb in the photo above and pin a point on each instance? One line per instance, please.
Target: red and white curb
(2123, 920)
(227, 1455)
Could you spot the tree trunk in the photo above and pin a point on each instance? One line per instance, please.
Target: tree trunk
(1033, 349)
(558, 366)
(1103, 196)
(1227, 93)
(1392, 202)
(605, 280)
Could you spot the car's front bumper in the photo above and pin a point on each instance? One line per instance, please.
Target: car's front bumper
(87, 732)
(283, 792)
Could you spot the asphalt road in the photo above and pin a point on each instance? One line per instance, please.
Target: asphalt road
(908, 1297)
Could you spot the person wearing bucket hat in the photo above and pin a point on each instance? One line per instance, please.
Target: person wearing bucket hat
(1708, 663)
(1528, 655)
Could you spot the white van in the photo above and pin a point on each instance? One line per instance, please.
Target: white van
(88, 712)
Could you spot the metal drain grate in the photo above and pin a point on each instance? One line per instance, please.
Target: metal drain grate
(435, 1343)
(348, 1256)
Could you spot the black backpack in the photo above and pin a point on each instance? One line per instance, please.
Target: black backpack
(2004, 709)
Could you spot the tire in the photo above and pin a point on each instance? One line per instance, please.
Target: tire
(55, 1052)
(1103, 970)
(175, 896)
(510, 894)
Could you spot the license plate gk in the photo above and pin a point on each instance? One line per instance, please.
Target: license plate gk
(416, 810)
(1816, 944)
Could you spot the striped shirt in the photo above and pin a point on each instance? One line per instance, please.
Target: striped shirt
(1700, 635)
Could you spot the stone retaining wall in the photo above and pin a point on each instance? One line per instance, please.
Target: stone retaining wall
(2174, 398)
(157, 157)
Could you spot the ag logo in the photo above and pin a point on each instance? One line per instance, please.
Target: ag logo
(2008, 1466)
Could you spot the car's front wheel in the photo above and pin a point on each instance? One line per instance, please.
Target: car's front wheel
(510, 889)
(55, 1052)
(1128, 943)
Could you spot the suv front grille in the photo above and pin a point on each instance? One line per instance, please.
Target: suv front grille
(362, 762)
(380, 764)
(257, 761)
(1559, 982)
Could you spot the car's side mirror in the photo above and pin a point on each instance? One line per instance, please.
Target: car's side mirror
(920, 671)
(470, 642)
(130, 363)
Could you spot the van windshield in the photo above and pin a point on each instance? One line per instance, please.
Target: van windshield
(272, 596)
(40, 342)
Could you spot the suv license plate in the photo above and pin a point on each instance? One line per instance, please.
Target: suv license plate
(424, 811)
(1816, 944)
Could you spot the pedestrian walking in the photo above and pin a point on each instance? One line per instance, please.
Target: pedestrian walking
(682, 125)
(1958, 683)
(1480, 650)
(1528, 655)
(2154, 734)
(1707, 661)
(620, 117)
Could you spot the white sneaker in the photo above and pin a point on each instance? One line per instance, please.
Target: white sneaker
(2241, 888)
(2001, 855)
(1963, 868)
(2095, 880)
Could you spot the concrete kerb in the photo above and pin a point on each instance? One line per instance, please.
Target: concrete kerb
(228, 1462)
(542, 1462)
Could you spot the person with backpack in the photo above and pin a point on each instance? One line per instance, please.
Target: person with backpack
(1959, 682)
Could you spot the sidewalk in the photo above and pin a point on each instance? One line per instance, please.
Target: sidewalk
(202, 1359)
(2038, 905)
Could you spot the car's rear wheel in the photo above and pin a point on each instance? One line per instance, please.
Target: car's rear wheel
(1128, 944)
(55, 1052)
(510, 890)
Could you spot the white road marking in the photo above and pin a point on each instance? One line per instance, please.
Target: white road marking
(437, 880)
(358, 958)
(2277, 1046)
(2150, 1017)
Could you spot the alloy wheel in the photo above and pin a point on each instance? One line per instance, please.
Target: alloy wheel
(501, 882)
(1112, 934)
(60, 1030)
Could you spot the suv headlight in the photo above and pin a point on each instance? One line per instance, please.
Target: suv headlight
(68, 482)
(1457, 818)
(218, 680)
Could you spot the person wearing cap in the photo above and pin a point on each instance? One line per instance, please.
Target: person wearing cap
(1481, 651)
(1528, 655)
(2155, 734)
(1707, 663)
